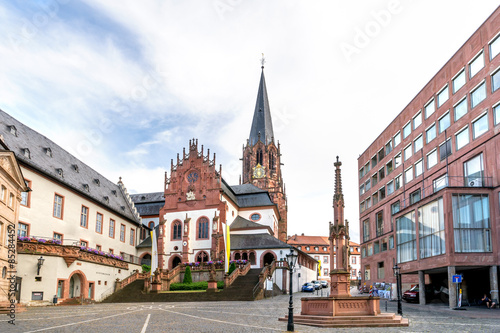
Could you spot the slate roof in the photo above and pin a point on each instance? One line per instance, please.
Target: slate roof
(40, 153)
(256, 241)
(247, 195)
(148, 203)
(246, 189)
(262, 122)
(241, 222)
(146, 243)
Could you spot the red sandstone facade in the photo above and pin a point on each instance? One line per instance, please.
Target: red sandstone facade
(429, 183)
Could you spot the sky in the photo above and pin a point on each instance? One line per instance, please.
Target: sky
(124, 85)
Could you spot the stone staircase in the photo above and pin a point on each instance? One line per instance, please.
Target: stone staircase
(5, 307)
(381, 320)
(240, 290)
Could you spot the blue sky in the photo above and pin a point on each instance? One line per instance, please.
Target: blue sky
(124, 85)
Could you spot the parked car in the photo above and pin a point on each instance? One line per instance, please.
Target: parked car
(317, 284)
(323, 283)
(412, 295)
(309, 287)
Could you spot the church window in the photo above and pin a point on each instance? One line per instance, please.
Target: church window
(272, 161)
(203, 228)
(176, 230)
(255, 217)
(151, 224)
(259, 156)
(247, 164)
(202, 257)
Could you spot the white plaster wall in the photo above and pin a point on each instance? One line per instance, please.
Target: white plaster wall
(194, 244)
(146, 220)
(42, 223)
(55, 268)
(250, 232)
(268, 217)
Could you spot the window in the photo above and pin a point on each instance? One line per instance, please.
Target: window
(432, 159)
(363, 252)
(397, 139)
(380, 270)
(388, 147)
(473, 171)
(368, 203)
(380, 223)
(496, 114)
(458, 81)
(376, 247)
(361, 189)
(442, 96)
(383, 246)
(58, 206)
(418, 143)
(98, 247)
(391, 242)
(471, 223)
(431, 229)
(407, 152)
(429, 109)
(353, 260)
(381, 193)
(4, 193)
(430, 133)
(398, 181)
(419, 168)
(375, 198)
(58, 237)
(381, 154)
(415, 197)
(417, 120)
(26, 196)
(476, 65)
(367, 185)
(84, 217)
(397, 160)
(177, 230)
(494, 47)
(325, 259)
(408, 175)
(395, 207)
(23, 230)
(390, 187)
(374, 161)
(480, 126)
(255, 217)
(11, 200)
(445, 149)
(203, 228)
(440, 183)
(406, 130)
(122, 233)
(84, 243)
(132, 237)
(389, 167)
(367, 167)
(461, 109)
(495, 81)
(444, 122)
(406, 238)
(370, 250)
(98, 223)
(111, 228)
(381, 173)
(477, 95)
(316, 248)
(151, 225)
(374, 179)
(111, 251)
(366, 230)
(462, 138)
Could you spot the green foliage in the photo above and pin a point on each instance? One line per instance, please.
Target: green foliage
(203, 285)
(187, 278)
(146, 268)
(232, 267)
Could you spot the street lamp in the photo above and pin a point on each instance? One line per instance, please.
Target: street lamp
(291, 259)
(39, 264)
(397, 274)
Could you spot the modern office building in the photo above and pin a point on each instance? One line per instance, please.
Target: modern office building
(429, 183)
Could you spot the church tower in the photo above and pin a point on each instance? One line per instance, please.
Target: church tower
(262, 157)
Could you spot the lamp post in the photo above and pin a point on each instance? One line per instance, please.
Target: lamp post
(291, 259)
(39, 264)
(397, 274)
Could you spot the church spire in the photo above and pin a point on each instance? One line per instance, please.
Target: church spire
(338, 197)
(262, 126)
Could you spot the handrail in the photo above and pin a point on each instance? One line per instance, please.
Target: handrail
(129, 279)
(240, 271)
(267, 271)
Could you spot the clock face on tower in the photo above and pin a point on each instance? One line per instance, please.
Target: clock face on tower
(259, 171)
(192, 177)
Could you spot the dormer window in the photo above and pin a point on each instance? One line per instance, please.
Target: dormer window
(143, 198)
(59, 172)
(12, 130)
(26, 152)
(123, 208)
(75, 167)
(97, 181)
(48, 152)
(86, 187)
(106, 198)
(114, 192)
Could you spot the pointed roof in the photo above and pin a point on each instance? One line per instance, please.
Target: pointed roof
(262, 122)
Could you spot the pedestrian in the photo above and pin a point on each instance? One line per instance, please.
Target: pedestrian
(486, 300)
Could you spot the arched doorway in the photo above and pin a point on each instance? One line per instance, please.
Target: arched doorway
(175, 261)
(146, 259)
(268, 258)
(75, 286)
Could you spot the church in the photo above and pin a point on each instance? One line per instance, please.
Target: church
(199, 213)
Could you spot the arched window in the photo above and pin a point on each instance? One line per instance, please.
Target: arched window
(259, 156)
(203, 228)
(244, 256)
(272, 161)
(237, 256)
(202, 256)
(247, 164)
(151, 224)
(252, 258)
(176, 230)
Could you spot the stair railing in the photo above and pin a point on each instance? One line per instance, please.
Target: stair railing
(129, 279)
(266, 272)
(240, 271)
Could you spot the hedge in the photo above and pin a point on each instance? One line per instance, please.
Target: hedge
(203, 285)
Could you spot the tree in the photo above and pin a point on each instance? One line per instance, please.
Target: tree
(232, 267)
(187, 275)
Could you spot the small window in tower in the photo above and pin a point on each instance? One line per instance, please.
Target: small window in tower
(255, 217)
(259, 156)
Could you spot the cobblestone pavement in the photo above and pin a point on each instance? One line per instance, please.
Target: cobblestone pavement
(258, 316)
